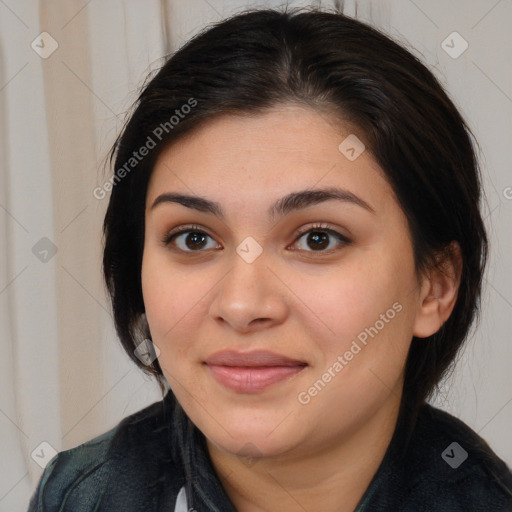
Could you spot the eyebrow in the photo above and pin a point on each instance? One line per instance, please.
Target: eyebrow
(291, 202)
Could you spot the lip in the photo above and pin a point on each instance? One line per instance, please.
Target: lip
(251, 372)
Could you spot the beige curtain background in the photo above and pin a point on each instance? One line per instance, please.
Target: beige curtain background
(69, 70)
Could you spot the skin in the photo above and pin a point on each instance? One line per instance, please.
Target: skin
(295, 299)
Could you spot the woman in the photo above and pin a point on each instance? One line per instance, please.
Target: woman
(293, 246)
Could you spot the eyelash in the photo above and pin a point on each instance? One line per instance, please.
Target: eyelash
(322, 228)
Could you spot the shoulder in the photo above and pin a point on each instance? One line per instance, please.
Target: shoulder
(121, 466)
(452, 468)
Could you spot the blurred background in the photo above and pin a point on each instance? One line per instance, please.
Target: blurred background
(69, 72)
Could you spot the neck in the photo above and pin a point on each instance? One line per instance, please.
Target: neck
(332, 478)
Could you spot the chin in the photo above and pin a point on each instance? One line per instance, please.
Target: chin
(252, 445)
(252, 436)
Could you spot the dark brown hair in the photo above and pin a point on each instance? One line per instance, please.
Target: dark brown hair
(260, 59)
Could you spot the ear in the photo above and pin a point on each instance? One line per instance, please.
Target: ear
(438, 292)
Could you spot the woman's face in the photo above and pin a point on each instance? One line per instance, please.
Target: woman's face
(283, 315)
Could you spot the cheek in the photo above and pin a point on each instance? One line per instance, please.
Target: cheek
(362, 311)
(171, 299)
(351, 297)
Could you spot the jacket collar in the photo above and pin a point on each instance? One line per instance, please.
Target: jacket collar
(202, 490)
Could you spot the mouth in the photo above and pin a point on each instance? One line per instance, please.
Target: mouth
(252, 372)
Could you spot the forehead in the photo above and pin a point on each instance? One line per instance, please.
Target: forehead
(259, 158)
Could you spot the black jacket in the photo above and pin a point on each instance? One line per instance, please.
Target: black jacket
(151, 457)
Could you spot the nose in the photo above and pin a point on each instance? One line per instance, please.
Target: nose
(249, 297)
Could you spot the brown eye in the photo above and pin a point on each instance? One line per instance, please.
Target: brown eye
(317, 240)
(321, 240)
(195, 240)
(188, 240)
